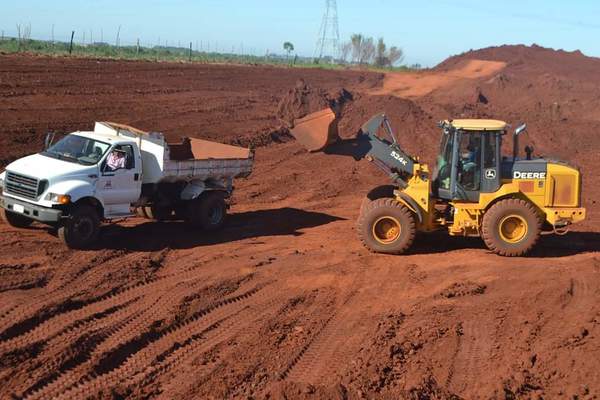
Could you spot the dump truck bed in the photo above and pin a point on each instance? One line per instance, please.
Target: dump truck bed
(203, 159)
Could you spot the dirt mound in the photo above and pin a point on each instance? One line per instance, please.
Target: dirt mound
(415, 128)
(542, 59)
(418, 84)
(304, 99)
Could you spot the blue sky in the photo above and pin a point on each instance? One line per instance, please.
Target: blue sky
(428, 31)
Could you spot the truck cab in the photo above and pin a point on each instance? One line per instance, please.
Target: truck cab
(83, 170)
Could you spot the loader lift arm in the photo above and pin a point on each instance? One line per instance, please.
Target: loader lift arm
(386, 154)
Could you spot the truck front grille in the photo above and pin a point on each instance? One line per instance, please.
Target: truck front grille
(21, 185)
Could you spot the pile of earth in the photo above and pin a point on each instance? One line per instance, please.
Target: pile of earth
(304, 99)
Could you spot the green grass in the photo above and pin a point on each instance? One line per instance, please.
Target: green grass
(158, 53)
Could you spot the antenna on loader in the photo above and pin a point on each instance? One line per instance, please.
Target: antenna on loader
(328, 43)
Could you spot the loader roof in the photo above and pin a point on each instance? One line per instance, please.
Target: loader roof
(478, 124)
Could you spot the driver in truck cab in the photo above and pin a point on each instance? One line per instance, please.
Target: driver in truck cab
(116, 160)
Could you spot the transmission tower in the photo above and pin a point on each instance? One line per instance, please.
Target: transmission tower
(328, 43)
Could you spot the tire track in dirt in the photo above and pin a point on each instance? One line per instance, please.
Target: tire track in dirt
(37, 327)
(140, 312)
(66, 288)
(156, 304)
(331, 345)
(144, 311)
(73, 386)
(54, 324)
(69, 360)
(180, 362)
(333, 348)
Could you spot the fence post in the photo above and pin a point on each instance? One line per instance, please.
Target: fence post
(137, 48)
(190, 51)
(71, 44)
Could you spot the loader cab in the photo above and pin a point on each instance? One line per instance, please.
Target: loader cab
(469, 159)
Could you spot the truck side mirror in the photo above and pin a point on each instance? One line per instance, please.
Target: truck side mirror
(49, 139)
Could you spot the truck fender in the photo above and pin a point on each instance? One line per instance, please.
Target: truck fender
(77, 189)
(193, 190)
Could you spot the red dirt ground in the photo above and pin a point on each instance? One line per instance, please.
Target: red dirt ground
(285, 302)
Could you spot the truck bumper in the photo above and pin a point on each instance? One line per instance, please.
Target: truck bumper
(35, 212)
(564, 216)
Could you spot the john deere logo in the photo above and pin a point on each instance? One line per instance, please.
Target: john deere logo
(490, 174)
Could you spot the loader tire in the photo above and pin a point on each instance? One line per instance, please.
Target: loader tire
(386, 226)
(379, 192)
(15, 220)
(208, 211)
(80, 230)
(511, 227)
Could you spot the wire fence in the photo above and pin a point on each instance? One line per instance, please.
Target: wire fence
(87, 43)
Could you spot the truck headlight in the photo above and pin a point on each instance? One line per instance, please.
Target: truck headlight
(58, 198)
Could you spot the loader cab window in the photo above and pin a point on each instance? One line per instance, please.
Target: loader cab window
(469, 166)
(490, 149)
(444, 162)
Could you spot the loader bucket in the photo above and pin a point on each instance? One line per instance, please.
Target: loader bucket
(317, 130)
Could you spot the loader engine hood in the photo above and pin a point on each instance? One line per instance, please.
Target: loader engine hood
(559, 182)
(524, 169)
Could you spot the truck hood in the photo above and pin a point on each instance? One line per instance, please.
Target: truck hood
(42, 167)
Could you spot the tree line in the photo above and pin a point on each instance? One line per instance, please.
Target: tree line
(364, 50)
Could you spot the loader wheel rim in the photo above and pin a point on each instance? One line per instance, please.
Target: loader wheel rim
(513, 228)
(387, 230)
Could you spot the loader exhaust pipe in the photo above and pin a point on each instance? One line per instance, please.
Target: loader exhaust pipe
(518, 131)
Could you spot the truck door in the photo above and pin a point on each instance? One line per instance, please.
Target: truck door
(120, 183)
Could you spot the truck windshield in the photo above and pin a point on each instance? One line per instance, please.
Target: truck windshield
(77, 149)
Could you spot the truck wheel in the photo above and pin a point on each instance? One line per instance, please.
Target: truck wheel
(81, 229)
(379, 192)
(16, 220)
(511, 227)
(208, 211)
(386, 226)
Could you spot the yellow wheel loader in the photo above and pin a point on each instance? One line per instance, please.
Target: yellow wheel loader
(473, 191)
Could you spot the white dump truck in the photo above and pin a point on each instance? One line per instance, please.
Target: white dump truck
(117, 171)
